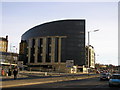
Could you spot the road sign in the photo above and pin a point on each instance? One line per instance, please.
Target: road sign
(69, 63)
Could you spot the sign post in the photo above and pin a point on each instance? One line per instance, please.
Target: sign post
(69, 64)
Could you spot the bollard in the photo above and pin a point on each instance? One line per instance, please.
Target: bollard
(45, 73)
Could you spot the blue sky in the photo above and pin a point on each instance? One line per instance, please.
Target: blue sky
(18, 17)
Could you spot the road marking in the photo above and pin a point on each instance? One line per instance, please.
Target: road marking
(6, 86)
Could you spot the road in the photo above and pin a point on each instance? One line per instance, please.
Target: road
(91, 83)
(24, 76)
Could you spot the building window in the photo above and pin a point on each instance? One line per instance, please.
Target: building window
(56, 49)
(48, 50)
(40, 42)
(32, 51)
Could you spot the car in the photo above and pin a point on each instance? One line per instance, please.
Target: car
(105, 76)
(114, 80)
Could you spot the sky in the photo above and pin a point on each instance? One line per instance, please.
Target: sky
(18, 17)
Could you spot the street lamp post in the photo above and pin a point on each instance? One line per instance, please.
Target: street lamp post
(89, 44)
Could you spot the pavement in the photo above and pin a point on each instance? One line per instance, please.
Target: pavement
(31, 78)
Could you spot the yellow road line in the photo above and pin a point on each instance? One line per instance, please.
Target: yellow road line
(7, 86)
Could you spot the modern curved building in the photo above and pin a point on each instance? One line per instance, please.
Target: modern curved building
(51, 44)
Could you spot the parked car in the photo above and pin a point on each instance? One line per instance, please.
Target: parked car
(114, 80)
(105, 76)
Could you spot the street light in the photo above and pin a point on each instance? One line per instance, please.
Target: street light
(89, 35)
(89, 44)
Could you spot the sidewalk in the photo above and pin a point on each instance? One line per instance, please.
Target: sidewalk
(9, 77)
(49, 73)
(21, 74)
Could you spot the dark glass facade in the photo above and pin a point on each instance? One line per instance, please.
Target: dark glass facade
(72, 46)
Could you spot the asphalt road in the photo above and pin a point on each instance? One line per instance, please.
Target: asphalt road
(91, 83)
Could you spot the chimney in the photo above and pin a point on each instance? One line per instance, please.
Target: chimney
(7, 37)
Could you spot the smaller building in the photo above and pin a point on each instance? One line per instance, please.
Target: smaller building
(118, 68)
(91, 62)
(3, 44)
(8, 57)
(8, 60)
